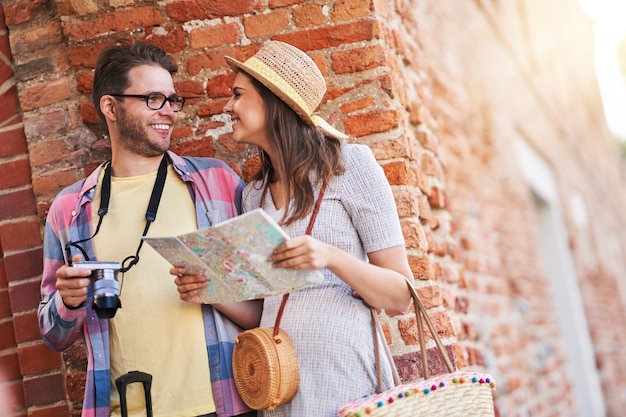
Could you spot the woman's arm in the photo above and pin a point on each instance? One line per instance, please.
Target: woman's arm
(380, 282)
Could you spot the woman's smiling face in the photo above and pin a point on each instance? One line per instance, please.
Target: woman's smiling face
(247, 113)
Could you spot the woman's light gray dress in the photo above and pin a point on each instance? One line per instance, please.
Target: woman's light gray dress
(329, 327)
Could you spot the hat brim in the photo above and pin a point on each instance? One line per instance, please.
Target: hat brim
(312, 120)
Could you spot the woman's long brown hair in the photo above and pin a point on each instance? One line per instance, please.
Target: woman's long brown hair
(299, 149)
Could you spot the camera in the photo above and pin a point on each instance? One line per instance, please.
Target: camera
(106, 289)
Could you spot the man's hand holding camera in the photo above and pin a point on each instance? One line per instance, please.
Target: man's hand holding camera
(73, 283)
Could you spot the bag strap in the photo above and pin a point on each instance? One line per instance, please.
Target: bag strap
(420, 314)
(309, 229)
(377, 331)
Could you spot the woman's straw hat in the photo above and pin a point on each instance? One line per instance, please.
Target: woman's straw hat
(293, 76)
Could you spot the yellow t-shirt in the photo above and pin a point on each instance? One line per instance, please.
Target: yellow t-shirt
(154, 331)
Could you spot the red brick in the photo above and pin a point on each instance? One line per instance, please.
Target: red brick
(15, 173)
(406, 202)
(448, 274)
(220, 85)
(428, 140)
(181, 132)
(52, 182)
(437, 198)
(396, 172)
(117, 21)
(82, 57)
(40, 67)
(212, 108)
(266, 23)
(26, 296)
(250, 168)
(213, 36)
(214, 59)
(6, 72)
(171, 39)
(350, 10)
(390, 149)
(431, 165)
(425, 213)
(3, 276)
(35, 38)
(191, 90)
(7, 337)
(359, 104)
(8, 104)
(226, 141)
(415, 236)
(409, 366)
(461, 305)
(20, 235)
(17, 204)
(88, 113)
(37, 358)
(202, 147)
(22, 265)
(308, 15)
(373, 122)
(10, 366)
(75, 385)
(359, 59)
(21, 11)
(45, 124)
(440, 320)
(81, 7)
(187, 10)
(5, 305)
(84, 83)
(49, 151)
(331, 36)
(26, 327)
(43, 390)
(420, 266)
(3, 25)
(50, 411)
(75, 357)
(44, 94)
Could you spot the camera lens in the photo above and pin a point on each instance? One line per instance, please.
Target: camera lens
(106, 291)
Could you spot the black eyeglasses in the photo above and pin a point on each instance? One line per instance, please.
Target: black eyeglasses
(156, 101)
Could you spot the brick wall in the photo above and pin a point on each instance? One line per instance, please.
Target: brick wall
(440, 92)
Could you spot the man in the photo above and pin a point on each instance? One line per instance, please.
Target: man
(144, 190)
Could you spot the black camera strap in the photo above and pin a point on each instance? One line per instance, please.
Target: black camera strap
(105, 197)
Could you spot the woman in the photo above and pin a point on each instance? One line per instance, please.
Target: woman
(356, 240)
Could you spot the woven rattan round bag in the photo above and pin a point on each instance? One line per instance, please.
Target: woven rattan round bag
(265, 367)
(265, 363)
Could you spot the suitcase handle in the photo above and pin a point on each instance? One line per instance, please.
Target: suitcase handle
(134, 376)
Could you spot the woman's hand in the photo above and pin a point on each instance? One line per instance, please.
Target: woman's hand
(302, 252)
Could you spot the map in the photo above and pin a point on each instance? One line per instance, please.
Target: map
(233, 254)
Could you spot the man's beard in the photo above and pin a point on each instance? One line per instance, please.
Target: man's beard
(134, 136)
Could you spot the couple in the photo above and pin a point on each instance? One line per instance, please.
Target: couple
(357, 241)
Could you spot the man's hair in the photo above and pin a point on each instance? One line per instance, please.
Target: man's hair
(114, 63)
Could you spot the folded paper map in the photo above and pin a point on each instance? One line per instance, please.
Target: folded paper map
(233, 254)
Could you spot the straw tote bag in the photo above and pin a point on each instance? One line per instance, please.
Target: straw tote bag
(265, 364)
(454, 394)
